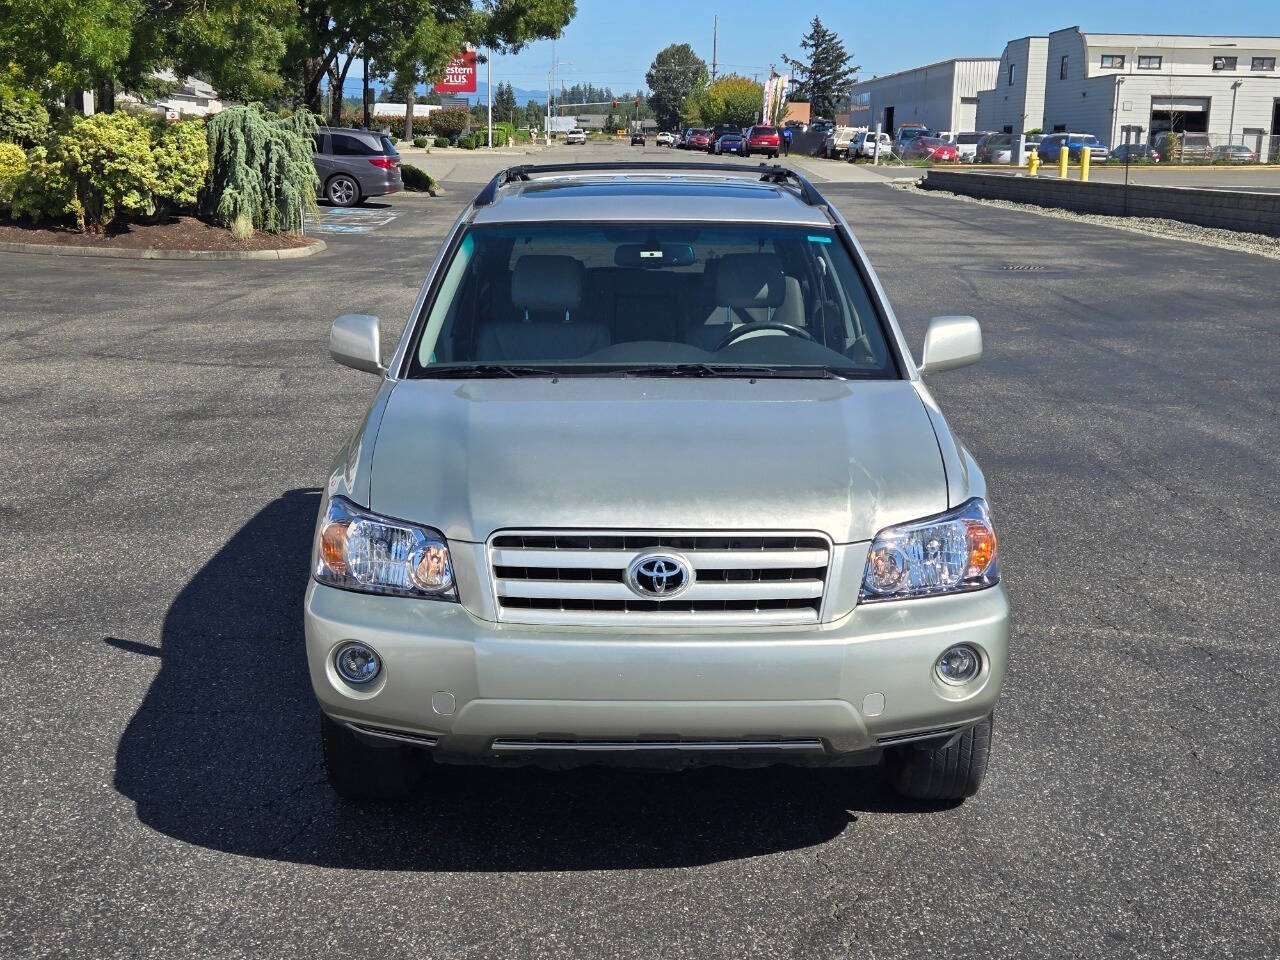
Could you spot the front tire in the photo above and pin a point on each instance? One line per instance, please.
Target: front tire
(950, 772)
(360, 771)
(342, 191)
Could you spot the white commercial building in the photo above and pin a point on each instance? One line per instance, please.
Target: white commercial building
(942, 96)
(1016, 103)
(1099, 83)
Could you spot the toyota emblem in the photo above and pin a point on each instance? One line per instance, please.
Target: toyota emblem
(659, 576)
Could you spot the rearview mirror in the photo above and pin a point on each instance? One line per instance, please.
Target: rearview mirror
(950, 342)
(354, 342)
(652, 256)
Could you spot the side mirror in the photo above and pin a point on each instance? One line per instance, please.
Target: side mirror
(950, 342)
(354, 342)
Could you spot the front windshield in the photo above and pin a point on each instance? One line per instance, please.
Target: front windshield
(716, 300)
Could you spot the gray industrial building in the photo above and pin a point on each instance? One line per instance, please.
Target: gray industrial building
(1099, 83)
(1227, 87)
(1016, 103)
(942, 96)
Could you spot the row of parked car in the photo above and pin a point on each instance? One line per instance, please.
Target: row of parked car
(726, 138)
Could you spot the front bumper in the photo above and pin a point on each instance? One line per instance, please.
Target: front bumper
(475, 690)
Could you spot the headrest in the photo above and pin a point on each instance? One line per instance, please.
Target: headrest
(749, 280)
(545, 282)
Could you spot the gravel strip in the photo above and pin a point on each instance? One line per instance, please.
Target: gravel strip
(1258, 243)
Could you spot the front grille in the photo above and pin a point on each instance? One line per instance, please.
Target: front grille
(580, 577)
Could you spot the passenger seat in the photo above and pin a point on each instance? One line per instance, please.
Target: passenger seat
(545, 291)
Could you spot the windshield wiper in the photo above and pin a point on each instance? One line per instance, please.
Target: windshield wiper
(736, 370)
(487, 370)
(696, 370)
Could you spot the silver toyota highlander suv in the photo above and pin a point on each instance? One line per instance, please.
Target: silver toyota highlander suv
(652, 477)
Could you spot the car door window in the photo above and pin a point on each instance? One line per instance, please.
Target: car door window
(345, 145)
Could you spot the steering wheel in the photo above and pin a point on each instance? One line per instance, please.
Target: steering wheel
(789, 329)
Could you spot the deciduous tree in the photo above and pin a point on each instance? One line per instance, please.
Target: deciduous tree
(731, 99)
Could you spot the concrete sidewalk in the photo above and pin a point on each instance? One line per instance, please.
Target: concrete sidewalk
(835, 171)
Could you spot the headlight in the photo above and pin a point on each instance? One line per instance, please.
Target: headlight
(359, 550)
(951, 553)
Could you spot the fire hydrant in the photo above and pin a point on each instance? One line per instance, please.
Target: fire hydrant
(1033, 163)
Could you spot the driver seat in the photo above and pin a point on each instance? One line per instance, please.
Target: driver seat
(748, 288)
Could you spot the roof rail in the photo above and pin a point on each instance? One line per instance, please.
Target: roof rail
(769, 173)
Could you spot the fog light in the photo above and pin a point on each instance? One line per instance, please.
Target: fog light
(356, 663)
(958, 664)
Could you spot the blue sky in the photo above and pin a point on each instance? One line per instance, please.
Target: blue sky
(611, 43)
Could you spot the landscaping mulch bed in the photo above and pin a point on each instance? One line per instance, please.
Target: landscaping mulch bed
(178, 233)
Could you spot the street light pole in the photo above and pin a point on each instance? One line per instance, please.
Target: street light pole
(1231, 124)
(488, 83)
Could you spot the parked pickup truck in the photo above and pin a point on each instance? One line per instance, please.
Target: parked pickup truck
(837, 142)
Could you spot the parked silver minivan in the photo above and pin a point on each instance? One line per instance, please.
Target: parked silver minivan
(652, 477)
(355, 164)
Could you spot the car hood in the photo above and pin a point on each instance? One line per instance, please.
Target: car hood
(845, 458)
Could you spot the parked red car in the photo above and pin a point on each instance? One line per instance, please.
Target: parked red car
(698, 140)
(931, 148)
(766, 140)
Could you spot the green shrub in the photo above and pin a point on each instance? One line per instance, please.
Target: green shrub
(181, 152)
(43, 191)
(450, 122)
(13, 164)
(261, 168)
(421, 142)
(418, 180)
(23, 118)
(442, 141)
(421, 125)
(107, 158)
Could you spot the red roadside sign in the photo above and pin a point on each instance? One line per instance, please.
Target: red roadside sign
(460, 76)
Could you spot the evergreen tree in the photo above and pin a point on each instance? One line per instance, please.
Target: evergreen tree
(533, 114)
(824, 77)
(504, 104)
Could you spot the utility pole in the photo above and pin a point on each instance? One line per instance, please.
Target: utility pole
(364, 83)
(715, 43)
(488, 84)
(550, 73)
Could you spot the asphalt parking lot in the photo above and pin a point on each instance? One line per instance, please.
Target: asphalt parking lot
(166, 427)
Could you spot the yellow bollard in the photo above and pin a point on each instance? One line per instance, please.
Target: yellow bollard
(1033, 163)
(1063, 156)
(1084, 163)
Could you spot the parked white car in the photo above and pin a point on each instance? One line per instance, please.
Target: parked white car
(576, 135)
(665, 139)
(864, 144)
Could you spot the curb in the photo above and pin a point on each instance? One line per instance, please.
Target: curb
(153, 253)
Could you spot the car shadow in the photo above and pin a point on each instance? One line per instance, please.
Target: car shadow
(223, 753)
(365, 204)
